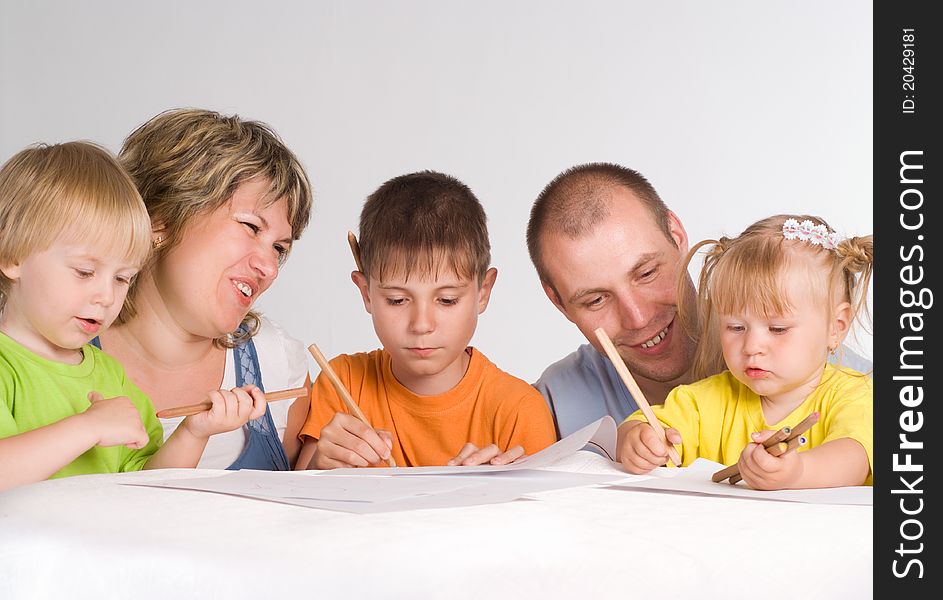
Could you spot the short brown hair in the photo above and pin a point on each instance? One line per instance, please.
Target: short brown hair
(579, 198)
(76, 191)
(420, 223)
(188, 162)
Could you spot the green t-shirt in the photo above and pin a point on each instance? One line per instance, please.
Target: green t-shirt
(37, 392)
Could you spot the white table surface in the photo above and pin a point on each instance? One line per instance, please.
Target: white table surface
(89, 537)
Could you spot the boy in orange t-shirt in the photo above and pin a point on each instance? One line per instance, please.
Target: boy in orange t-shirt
(431, 398)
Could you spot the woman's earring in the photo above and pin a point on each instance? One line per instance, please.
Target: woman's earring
(157, 242)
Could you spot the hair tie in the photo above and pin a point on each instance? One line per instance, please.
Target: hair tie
(807, 231)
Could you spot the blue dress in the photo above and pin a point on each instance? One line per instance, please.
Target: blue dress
(263, 449)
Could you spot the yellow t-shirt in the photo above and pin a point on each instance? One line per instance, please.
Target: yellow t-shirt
(488, 406)
(715, 416)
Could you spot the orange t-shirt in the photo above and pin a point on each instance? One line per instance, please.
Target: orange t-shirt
(488, 406)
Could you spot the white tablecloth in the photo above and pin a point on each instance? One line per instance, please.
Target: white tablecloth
(89, 537)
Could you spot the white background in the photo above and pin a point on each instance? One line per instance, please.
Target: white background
(733, 110)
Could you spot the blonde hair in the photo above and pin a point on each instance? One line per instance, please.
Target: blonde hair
(72, 192)
(744, 273)
(188, 162)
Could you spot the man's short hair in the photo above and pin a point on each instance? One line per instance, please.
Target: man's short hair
(420, 223)
(579, 198)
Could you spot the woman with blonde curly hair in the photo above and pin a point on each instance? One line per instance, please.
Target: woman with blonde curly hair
(226, 199)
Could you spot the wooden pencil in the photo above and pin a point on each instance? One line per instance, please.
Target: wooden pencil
(193, 409)
(355, 249)
(795, 432)
(772, 440)
(777, 450)
(636, 392)
(342, 391)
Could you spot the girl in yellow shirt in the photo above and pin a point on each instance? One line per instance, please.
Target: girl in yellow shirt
(773, 302)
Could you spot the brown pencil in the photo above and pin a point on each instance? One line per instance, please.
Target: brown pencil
(772, 440)
(193, 409)
(794, 433)
(342, 391)
(355, 249)
(636, 392)
(777, 450)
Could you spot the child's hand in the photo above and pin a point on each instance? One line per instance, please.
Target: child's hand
(347, 442)
(231, 409)
(763, 471)
(641, 449)
(471, 455)
(116, 421)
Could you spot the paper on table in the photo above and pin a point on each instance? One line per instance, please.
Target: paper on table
(276, 485)
(696, 479)
(385, 494)
(600, 433)
(480, 489)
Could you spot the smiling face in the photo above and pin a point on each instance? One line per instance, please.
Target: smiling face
(425, 324)
(622, 276)
(208, 281)
(63, 297)
(782, 356)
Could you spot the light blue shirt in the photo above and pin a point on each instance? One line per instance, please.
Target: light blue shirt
(584, 386)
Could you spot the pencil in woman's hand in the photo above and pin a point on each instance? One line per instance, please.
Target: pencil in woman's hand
(194, 409)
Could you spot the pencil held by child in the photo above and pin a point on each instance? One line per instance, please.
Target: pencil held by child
(769, 344)
(424, 276)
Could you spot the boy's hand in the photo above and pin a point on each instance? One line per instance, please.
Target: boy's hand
(116, 421)
(347, 442)
(641, 449)
(763, 471)
(231, 409)
(471, 455)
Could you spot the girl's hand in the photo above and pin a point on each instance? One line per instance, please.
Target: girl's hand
(641, 449)
(763, 471)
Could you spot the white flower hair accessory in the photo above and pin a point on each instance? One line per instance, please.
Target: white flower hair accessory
(809, 232)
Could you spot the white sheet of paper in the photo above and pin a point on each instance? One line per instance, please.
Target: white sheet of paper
(696, 479)
(275, 485)
(601, 433)
(480, 489)
(387, 494)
